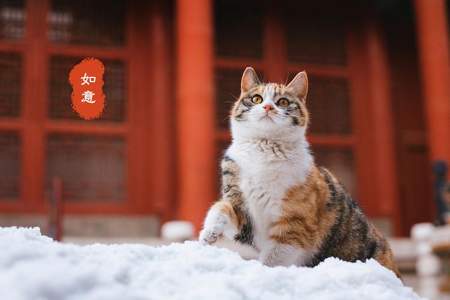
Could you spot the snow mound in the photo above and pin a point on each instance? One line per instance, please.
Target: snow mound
(33, 266)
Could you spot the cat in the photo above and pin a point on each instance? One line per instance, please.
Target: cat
(274, 197)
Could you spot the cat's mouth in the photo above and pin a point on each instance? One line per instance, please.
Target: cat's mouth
(266, 117)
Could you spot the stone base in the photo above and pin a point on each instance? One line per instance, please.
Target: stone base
(90, 225)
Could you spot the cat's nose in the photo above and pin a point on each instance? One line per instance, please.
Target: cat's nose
(268, 107)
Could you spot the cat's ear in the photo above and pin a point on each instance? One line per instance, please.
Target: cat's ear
(299, 85)
(249, 79)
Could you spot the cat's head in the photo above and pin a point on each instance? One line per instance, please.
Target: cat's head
(270, 110)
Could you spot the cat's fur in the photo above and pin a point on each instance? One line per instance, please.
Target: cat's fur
(274, 197)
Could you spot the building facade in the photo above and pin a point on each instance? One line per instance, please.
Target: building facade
(379, 99)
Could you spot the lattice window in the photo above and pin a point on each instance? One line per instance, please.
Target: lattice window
(92, 168)
(10, 83)
(238, 29)
(12, 19)
(9, 165)
(228, 84)
(60, 89)
(329, 105)
(314, 35)
(86, 22)
(341, 163)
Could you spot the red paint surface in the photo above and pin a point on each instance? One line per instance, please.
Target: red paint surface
(432, 38)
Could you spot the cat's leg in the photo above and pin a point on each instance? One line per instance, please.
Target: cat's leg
(276, 254)
(228, 217)
(220, 220)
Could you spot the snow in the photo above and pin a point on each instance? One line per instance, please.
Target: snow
(35, 267)
(177, 230)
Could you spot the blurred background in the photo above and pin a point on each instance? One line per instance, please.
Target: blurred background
(379, 99)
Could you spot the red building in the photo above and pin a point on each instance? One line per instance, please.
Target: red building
(379, 98)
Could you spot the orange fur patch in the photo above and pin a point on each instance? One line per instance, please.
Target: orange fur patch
(304, 222)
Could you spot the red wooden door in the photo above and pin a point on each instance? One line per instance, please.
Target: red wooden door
(103, 163)
(283, 39)
(279, 43)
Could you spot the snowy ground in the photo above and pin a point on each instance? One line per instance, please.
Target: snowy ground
(35, 267)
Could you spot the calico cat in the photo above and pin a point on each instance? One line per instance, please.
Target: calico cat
(274, 197)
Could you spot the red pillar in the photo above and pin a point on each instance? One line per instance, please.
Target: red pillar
(160, 72)
(383, 131)
(35, 105)
(431, 20)
(195, 109)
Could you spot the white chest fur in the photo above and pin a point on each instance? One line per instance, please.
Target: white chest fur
(267, 170)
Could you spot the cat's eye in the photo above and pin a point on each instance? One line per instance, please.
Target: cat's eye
(257, 99)
(283, 102)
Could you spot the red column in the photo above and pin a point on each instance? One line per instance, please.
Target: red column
(34, 107)
(195, 109)
(383, 131)
(162, 123)
(431, 20)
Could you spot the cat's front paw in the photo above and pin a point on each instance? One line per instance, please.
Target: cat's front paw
(209, 236)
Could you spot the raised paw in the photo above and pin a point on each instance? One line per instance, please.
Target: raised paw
(209, 236)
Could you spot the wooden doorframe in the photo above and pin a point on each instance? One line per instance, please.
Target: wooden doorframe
(29, 124)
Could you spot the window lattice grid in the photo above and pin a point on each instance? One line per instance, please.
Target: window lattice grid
(85, 22)
(228, 83)
(238, 29)
(91, 167)
(60, 106)
(10, 165)
(10, 84)
(320, 39)
(12, 19)
(329, 105)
